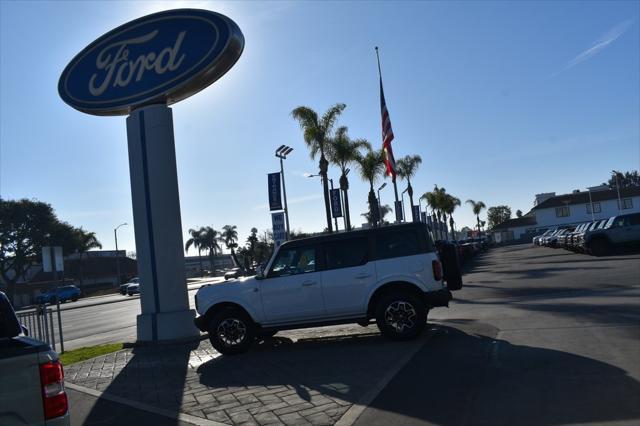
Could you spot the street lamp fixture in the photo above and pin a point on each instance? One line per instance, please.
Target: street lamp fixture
(115, 234)
(380, 203)
(281, 153)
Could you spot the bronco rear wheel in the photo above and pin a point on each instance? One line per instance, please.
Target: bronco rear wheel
(401, 316)
(599, 247)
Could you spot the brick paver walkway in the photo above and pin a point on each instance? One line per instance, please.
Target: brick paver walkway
(303, 377)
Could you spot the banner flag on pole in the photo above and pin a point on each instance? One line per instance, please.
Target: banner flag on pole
(275, 197)
(387, 131)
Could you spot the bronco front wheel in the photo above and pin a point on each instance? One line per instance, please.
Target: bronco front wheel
(231, 331)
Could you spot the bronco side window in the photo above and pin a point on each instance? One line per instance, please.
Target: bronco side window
(293, 261)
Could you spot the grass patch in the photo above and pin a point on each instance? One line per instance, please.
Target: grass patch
(77, 355)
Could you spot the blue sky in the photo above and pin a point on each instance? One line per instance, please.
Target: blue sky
(502, 100)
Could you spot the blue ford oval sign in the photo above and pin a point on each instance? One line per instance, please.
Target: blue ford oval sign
(160, 58)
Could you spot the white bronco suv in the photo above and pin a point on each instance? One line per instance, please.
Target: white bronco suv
(391, 274)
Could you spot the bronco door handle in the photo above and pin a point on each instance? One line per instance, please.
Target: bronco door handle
(363, 276)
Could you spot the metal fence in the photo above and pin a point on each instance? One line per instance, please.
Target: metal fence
(41, 323)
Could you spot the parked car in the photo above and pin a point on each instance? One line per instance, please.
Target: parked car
(537, 239)
(32, 386)
(233, 273)
(561, 240)
(123, 287)
(63, 294)
(579, 244)
(391, 274)
(133, 288)
(622, 230)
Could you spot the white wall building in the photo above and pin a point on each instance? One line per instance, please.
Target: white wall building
(551, 210)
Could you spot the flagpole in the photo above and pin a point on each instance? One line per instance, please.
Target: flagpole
(393, 178)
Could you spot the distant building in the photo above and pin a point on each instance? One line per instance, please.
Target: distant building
(551, 210)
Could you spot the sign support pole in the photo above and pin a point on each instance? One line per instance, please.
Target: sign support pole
(158, 227)
(284, 192)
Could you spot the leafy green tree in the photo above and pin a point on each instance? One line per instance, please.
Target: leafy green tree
(518, 213)
(626, 179)
(342, 151)
(210, 242)
(406, 168)
(371, 168)
(25, 227)
(317, 134)
(498, 214)
(477, 207)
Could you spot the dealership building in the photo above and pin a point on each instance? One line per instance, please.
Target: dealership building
(551, 210)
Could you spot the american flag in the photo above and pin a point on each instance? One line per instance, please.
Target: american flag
(387, 136)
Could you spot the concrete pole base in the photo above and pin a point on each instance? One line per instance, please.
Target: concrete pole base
(174, 325)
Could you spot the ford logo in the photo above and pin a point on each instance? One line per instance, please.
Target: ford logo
(157, 59)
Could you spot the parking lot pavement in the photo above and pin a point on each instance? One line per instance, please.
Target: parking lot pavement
(537, 336)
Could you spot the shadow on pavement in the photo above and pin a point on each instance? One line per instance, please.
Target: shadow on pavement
(461, 378)
(153, 375)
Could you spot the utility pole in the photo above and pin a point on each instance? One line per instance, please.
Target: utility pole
(618, 188)
(115, 234)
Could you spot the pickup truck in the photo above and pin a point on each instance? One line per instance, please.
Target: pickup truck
(32, 380)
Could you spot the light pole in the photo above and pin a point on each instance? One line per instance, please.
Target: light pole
(115, 234)
(380, 203)
(335, 219)
(420, 209)
(344, 212)
(616, 174)
(404, 215)
(282, 153)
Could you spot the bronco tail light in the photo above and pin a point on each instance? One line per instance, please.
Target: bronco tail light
(437, 270)
(53, 394)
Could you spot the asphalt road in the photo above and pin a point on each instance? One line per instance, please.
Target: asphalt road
(105, 319)
(537, 336)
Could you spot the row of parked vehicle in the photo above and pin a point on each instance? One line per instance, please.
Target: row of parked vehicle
(469, 248)
(598, 238)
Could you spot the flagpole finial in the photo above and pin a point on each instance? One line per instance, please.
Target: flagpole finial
(376, 47)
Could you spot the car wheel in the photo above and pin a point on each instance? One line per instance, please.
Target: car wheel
(231, 331)
(401, 316)
(599, 247)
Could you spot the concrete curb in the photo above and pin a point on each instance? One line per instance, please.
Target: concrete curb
(357, 409)
(145, 407)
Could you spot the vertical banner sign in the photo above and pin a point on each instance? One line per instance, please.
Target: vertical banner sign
(279, 232)
(336, 202)
(416, 213)
(275, 198)
(423, 217)
(399, 216)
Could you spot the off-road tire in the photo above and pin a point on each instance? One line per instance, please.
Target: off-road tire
(228, 325)
(401, 315)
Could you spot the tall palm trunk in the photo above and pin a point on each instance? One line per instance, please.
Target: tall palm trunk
(478, 217)
(344, 186)
(200, 260)
(410, 191)
(324, 166)
(373, 207)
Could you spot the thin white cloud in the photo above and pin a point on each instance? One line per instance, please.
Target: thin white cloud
(599, 45)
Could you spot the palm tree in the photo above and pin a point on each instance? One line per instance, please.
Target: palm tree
(371, 168)
(210, 238)
(86, 242)
(196, 241)
(450, 205)
(477, 208)
(406, 168)
(384, 210)
(317, 135)
(343, 151)
(229, 236)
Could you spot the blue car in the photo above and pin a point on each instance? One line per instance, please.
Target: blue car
(65, 293)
